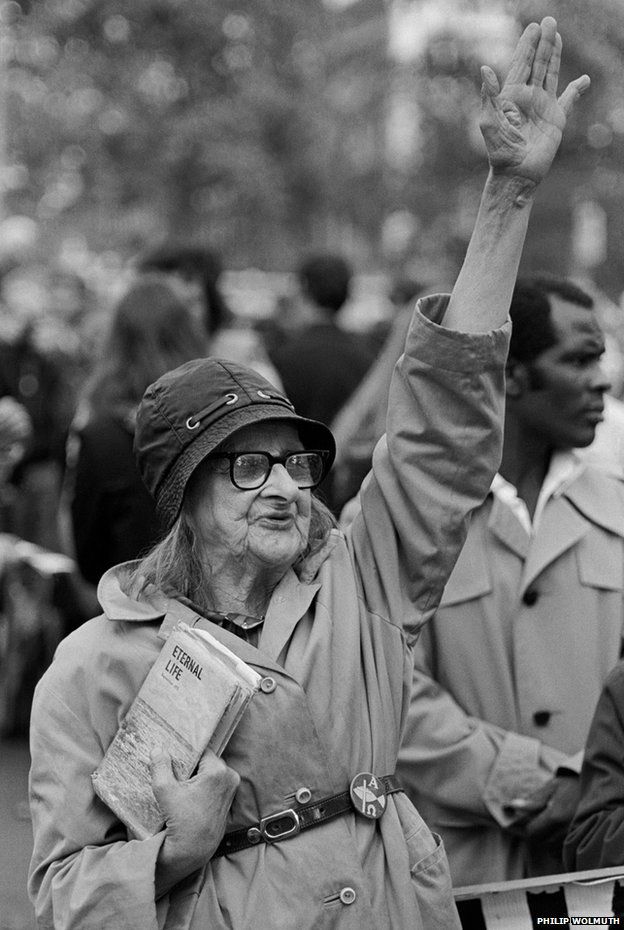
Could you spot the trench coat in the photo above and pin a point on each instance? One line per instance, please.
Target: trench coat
(508, 673)
(335, 648)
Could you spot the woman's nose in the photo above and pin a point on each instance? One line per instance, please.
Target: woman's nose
(281, 480)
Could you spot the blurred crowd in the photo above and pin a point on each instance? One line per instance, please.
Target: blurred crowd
(73, 368)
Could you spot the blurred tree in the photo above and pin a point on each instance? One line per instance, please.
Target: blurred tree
(167, 115)
(439, 177)
(270, 126)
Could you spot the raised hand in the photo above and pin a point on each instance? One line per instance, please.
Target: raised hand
(523, 121)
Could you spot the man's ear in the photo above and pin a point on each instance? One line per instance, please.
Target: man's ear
(517, 380)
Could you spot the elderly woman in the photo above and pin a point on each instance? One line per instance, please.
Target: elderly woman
(301, 823)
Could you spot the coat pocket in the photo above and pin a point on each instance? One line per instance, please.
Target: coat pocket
(429, 871)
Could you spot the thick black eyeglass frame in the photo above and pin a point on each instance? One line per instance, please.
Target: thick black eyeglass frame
(271, 461)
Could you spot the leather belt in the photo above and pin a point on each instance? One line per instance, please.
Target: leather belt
(366, 796)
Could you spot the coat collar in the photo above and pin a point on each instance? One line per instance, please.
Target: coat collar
(504, 524)
(600, 498)
(290, 601)
(593, 498)
(590, 498)
(117, 605)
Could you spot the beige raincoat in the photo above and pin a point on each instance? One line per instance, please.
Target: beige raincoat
(508, 674)
(336, 642)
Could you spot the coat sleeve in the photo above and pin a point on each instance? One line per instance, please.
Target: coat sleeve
(432, 468)
(469, 767)
(84, 873)
(595, 839)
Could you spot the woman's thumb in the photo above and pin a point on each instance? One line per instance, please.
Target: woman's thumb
(160, 767)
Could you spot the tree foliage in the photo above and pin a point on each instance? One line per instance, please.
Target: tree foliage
(176, 115)
(263, 127)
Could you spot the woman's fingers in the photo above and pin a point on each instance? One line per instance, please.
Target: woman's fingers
(524, 53)
(572, 92)
(552, 71)
(491, 86)
(544, 51)
(537, 56)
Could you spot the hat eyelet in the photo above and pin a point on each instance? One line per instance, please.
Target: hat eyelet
(264, 395)
(190, 425)
(232, 399)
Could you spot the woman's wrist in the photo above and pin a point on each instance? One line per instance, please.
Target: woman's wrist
(508, 191)
(173, 865)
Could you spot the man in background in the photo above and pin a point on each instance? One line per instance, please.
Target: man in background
(508, 673)
(321, 363)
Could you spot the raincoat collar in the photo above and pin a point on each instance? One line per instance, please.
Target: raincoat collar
(290, 601)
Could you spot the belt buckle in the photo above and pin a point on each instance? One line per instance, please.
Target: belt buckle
(368, 795)
(270, 826)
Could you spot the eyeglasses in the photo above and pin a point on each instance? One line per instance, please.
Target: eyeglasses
(250, 470)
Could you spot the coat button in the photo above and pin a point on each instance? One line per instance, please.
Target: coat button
(347, 895)
(530, 597)
(268, 685)
(303, 795)
(541, 718)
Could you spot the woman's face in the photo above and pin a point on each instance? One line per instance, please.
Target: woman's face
(265, 528)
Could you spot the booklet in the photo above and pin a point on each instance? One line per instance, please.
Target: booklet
(193, 697)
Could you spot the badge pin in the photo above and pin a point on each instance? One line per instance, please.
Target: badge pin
(367, 795)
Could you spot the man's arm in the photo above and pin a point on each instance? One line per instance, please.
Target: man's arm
(468, 767)
(522, 124)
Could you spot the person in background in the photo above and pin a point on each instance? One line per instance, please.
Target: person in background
(507, 675)
(360, 422)
(195, 274)
(36, 379)
(301, 823)
(595, 839)
(320, 363)
(15, 432)
(113, 517)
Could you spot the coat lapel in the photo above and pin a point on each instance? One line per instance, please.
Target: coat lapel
(561, 527)
(504, 524)
(291, 600)
(592, 499)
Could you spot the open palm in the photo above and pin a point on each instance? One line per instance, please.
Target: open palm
(522, 122)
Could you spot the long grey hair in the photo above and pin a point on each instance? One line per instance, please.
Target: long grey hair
(176, 567)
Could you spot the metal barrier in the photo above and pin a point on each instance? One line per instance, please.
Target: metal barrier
(594, 898)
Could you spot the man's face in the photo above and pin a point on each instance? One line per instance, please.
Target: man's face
(564, 399)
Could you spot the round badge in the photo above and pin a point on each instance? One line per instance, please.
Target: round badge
(367, 795)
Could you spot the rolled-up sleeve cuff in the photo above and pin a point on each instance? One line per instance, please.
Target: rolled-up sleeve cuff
(519, 770)
(452, 349)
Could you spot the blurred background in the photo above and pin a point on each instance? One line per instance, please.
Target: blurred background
(269, 127)
(265, 130)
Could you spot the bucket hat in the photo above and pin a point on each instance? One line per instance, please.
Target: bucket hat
(190, 411)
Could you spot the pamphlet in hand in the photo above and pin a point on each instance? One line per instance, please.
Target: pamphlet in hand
(193, 697)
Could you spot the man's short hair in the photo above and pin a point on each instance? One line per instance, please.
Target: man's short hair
(532, 329)
(326, 280)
